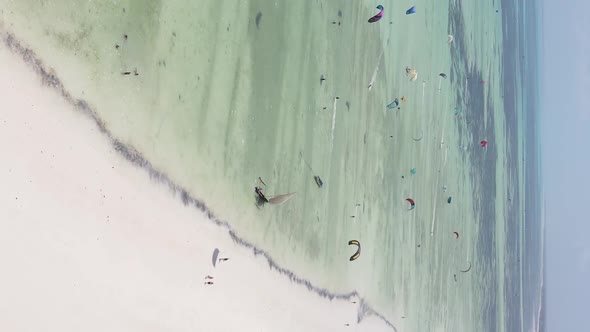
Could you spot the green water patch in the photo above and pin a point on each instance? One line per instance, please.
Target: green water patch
(227, 92)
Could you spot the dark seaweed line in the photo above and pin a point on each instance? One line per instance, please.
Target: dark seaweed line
(50, 79)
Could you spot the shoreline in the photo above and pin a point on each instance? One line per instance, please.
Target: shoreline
(221, 100)
(132, 159)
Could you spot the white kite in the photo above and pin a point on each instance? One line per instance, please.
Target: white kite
(412, 73)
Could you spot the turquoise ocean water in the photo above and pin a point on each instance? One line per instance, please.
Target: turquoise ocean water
(229, 91)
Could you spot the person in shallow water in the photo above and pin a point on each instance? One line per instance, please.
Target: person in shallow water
(260, 194)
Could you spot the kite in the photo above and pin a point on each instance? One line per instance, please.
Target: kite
(419, 138)
(378, 16)
(214, 256)
(469, 268)
(412, 203)
(393, 104)
(357, 254)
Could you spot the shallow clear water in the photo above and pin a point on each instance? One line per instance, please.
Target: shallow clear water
(229, 91)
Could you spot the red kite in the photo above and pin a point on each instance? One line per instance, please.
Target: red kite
(412, 203)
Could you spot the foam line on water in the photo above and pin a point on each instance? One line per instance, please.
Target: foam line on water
(374, 77)
(333, 121)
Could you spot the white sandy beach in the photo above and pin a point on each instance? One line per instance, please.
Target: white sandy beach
(88, 242)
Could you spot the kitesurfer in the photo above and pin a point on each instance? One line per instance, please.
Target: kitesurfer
(260, 194)
(318, 181)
